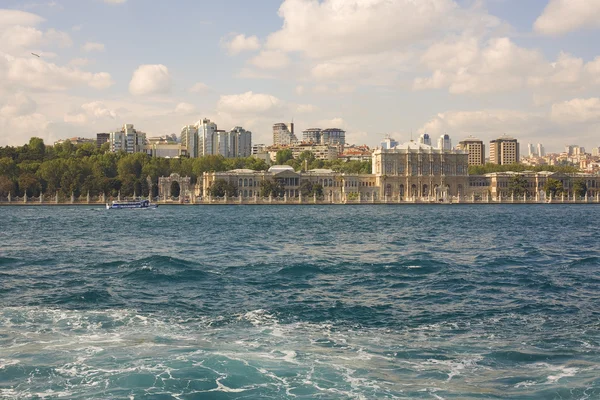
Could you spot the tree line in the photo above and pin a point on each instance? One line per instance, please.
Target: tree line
(66, 168)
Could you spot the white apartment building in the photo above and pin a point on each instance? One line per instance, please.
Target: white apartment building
(127, 139)
(189, 139)
(444, 143)
(207, 137)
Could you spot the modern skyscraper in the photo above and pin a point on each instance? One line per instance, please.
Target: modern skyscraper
(388, 143)
(444, 143)
(283, 135)
(239, 142)
(333, 136)
(312, 135)
(189, 139)
(475, 148)
(504, 150)
(425, 139)
(207, 137)
(531, 150)
(540, 150)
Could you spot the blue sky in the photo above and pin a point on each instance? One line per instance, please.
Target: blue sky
(373, 67)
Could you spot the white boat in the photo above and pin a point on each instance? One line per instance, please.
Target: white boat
(131, 204)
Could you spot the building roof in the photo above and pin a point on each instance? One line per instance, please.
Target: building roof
(321, 171)
(280, 168)
(243, 171)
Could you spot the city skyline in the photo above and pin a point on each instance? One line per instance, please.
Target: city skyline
(465, 68)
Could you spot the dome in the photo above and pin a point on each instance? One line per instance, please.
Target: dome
(280, 168)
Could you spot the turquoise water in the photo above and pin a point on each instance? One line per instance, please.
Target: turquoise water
(303, 302)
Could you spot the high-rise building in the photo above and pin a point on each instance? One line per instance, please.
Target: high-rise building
(475, 148)
(388, 143)
(312, 135)
(425, 139)
(444, 143)
(127, 139)
(333, 136)
(504, 150)
(207, 137)
(283, 135)
(239, 143)
(531, 150)
(102, 138)
(540, 150)
(189, 139)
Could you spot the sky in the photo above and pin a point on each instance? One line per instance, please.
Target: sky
(482, 68)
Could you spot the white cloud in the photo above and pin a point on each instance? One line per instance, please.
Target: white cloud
(91, 113)
(249, 103)
(337, 122)
(35, 73)
(185, 108)
(92, 46)
(463, 66)
(18, 105)
(332, 28)
(150, 79)
(115, 1)
(305, 108)
(18, 18)
(270, 60)
(80, 62)
(239, 43)
(300, 90)
(577, 111)
(199, 87)
(562, 16)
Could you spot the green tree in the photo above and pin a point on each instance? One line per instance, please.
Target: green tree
(283, 156)
(553, 187)
(220, 187)
(6, 186)
(29, 184)
(271, 188)
(579, 187)
(517, 184)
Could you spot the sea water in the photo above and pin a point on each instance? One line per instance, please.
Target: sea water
(302, 302)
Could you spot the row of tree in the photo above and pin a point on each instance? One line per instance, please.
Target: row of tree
(35, 168)
(553, 187)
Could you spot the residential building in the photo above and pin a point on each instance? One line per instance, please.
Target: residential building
(333, 136)
(475, 149)
(165, 149)
(128, 139)
(207, 137)
(312, 135)
(444, 143)
(76, 141)
(102, 138)
(235, 143)
(320, 151)
(504, 150)
(283, 135)
(189, 140)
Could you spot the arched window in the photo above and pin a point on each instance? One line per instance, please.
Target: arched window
(250, 182)
(240, 182)
(245, 182)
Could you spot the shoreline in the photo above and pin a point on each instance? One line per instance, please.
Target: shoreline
(318, 203)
